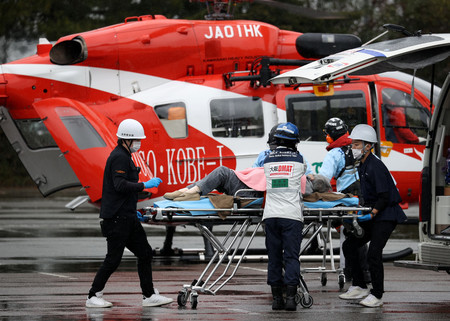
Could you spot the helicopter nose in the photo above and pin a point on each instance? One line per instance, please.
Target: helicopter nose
(3, 83)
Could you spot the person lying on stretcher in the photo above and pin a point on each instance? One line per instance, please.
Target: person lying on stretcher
(228, 181)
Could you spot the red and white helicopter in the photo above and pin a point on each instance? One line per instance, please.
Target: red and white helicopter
(201, 90)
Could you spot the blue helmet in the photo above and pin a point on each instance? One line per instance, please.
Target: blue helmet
(287, 131)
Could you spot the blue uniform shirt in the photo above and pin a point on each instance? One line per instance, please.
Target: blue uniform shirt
(332, 165)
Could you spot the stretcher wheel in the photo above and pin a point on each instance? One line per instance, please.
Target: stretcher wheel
(341, 281)
(194, 301)
(323, 279)
(306, 301)
(182, 298)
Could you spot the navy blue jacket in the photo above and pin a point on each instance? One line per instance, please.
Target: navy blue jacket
(375, 179)
(120, 185)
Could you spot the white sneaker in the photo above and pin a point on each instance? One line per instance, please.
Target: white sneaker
(97, 301)
(371, 301)
(354, 292)
(155, 300)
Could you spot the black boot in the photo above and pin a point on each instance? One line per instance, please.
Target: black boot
(291, 291)
(278, 302)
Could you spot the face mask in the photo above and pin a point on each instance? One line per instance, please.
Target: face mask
(135, 146)
(357, 153)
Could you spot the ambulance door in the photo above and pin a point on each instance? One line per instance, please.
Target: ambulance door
(404, 122)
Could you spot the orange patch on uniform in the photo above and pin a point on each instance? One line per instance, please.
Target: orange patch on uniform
(120, 172)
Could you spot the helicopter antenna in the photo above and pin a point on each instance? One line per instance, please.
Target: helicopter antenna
(220, 9)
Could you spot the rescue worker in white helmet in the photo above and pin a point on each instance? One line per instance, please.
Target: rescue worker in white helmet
(120, 224)
(283, 215)
(340, 164)
(379, 192)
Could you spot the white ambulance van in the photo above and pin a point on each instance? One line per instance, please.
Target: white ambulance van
(434, 226)
(413, 52)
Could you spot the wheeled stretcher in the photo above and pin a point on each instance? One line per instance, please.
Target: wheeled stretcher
(244, 223)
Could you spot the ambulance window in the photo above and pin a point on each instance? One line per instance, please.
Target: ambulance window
(405, 121)
(237, 117)
(310, 112)
(82, 132)
(35, 134)
(173, 118)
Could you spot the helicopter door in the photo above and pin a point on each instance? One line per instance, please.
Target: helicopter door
(33, 143)
(83, 138)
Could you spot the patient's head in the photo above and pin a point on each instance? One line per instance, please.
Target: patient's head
(319, 184)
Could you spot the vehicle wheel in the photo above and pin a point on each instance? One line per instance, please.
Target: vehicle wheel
(194, 301)
(323, 279)
(307, 301)
(341, 281)
(298, 298)
(182, 298)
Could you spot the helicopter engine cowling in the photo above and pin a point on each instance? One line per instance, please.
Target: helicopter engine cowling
(69, 52)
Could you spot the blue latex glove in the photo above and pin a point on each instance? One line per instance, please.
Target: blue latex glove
(141, 217)
(154, 182)
(363, 218)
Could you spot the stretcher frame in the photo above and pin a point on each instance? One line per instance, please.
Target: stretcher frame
(226, 251)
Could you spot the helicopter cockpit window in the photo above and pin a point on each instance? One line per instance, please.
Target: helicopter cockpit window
(405, 121)
(237, 117)
(35, 134)
(310, 112)
(82, 132)
(173, 118)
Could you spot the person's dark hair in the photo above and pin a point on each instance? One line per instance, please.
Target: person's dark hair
(286, 143)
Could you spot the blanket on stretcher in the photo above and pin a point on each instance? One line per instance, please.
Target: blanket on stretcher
(206, 205)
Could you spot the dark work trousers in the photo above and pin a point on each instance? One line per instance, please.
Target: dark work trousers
(121, 232)
(225, 181)
(283, 239)
(377, 233)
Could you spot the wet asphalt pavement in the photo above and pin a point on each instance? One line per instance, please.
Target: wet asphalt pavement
(49, 256)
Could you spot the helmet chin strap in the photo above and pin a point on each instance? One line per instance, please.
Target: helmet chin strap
(364, 149)
(128, 143)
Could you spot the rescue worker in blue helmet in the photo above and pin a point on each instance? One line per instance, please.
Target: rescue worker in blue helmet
(120, 223)
(379, 192)
(283, 215)
(271, 142)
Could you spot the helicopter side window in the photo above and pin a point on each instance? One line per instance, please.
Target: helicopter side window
(35, 134)
(82, 132)
(405, 121)
(237, 117)
(310, 112)
(173, 118)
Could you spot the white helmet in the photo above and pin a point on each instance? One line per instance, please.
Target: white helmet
(365, 133)
(130, 129)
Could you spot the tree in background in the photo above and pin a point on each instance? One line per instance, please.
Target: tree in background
(23, 22)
